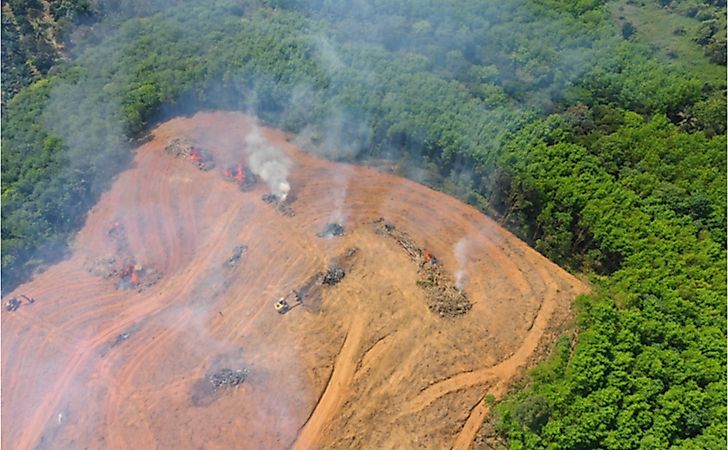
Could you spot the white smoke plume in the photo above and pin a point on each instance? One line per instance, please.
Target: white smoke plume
(339, 189)
(269, 163)
(460, 249)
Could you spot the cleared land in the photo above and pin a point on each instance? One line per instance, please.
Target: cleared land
(192, 354)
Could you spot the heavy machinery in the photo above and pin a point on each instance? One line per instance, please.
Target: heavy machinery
(282, 306)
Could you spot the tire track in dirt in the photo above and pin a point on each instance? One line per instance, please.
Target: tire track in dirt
(507, 370)
(64, 381)
(502, 371)
(336, 389)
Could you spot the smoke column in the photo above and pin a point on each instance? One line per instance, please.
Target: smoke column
(461, 254)
(269, 163)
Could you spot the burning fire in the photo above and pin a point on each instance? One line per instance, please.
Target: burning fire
(130, 274)
(195, 155)
(237, 173)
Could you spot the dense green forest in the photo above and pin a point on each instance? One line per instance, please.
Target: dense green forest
(594, 138)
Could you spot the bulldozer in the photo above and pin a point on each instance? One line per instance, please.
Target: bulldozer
(282, 306)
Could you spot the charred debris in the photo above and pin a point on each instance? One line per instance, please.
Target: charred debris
(441, 294)
(183, 148)
(227, 378)
(238, 253)
(281, 206)
(215, 383)
(333, 276)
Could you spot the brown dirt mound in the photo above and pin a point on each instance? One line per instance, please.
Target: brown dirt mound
(367, 366)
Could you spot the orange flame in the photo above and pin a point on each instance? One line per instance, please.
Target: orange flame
(239, 174)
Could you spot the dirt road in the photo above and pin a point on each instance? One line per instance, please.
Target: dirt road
(366, 365)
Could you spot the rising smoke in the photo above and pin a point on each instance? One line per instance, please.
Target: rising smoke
(460, 249)
(269, 163)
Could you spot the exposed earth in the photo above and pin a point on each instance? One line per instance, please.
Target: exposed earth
(184, 349)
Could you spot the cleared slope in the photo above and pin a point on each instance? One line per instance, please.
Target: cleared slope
(365, 366)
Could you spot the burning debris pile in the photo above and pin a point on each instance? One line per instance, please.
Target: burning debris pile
(331, 230)
(241, 175)
(441, 294)
(14, 303)
(182, 148)
(129, 277)
(280, 204)
(130, 274)
(137, 277)
(238, 253)
(202, 158)
(227, 378)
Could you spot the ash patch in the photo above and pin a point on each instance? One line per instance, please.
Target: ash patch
(331, 230)
(238, 253)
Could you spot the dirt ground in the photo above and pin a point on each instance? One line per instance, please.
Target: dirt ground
(365, 366)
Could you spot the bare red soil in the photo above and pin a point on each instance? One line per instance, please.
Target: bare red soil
(367, 366)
